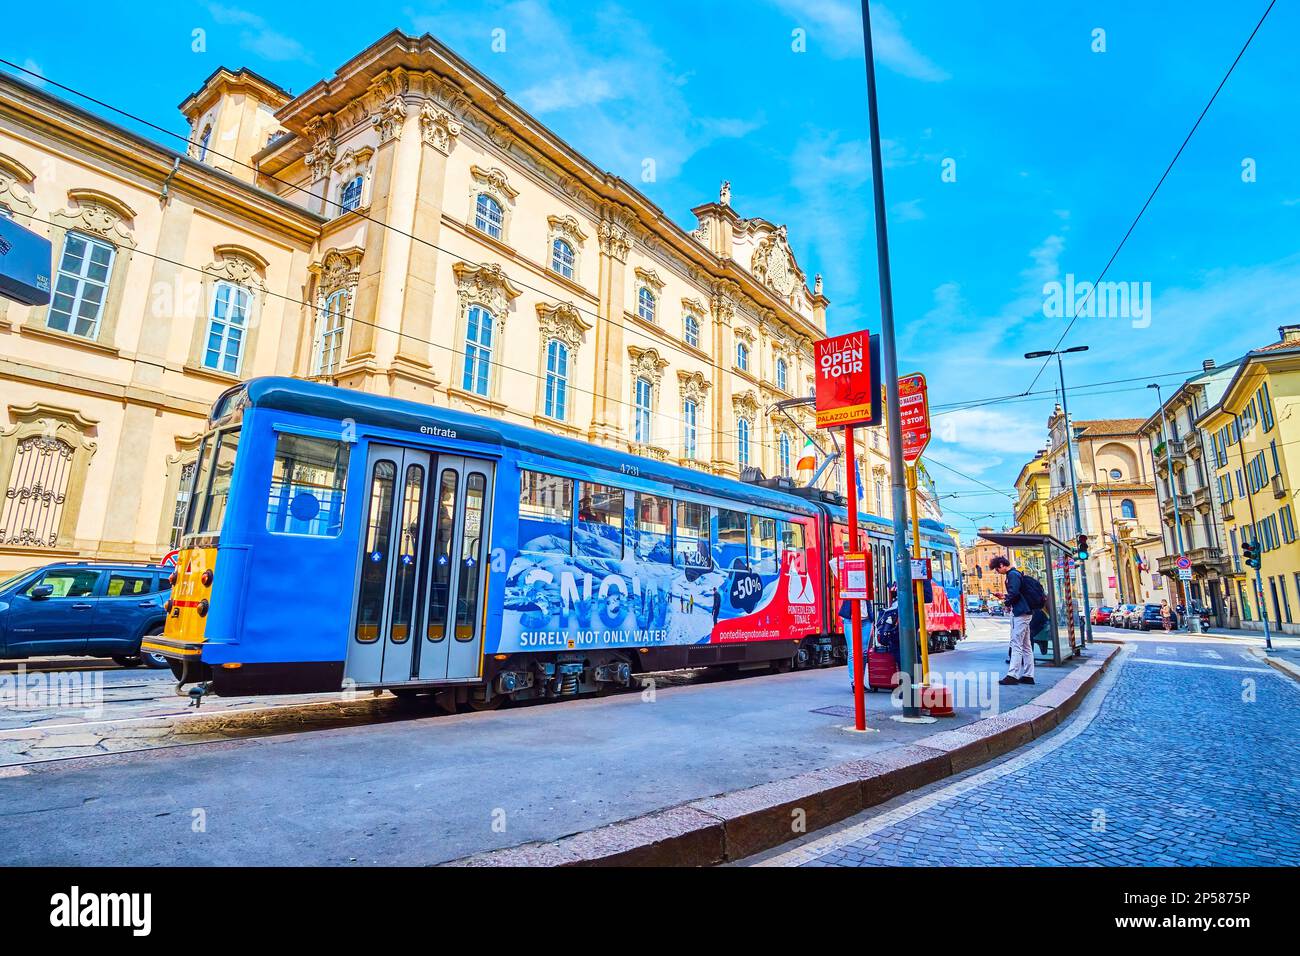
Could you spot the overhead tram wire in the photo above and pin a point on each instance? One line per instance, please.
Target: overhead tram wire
(1114, 255)
(668, 343)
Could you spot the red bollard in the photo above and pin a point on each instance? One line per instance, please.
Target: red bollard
(937, 700)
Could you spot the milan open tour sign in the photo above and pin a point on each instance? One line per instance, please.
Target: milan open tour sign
(914, 412)
(844, 389)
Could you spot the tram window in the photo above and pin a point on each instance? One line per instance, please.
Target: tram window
(307, 482)
(600, 520)
(692, 547)
(730, 546)
(545, 512)
(200, 491)
(762, 544)
(651, 540)
(791, 536)
(223, 470)
(374, 568)
(471, 557)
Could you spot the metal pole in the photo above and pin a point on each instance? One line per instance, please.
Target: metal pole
(889, 370)
(1250, 502)
(920, 585)
(1178, 521)
(1086, 630)
(855, 606)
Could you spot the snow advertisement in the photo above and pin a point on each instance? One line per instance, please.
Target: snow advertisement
(614, 577)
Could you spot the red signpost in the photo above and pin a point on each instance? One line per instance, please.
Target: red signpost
(845, 396)
(914, 413)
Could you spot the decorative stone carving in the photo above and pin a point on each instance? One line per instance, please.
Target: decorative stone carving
(493, 181)
(15, 181)
(724, 194)
(438, 127)
(99, 214)
(745, 405)
(486, 285)
(563, 321)
(693, 385)
(647, 363)
(321, 131)
(243, 267)
(568, 229)
(388, 121)
(817, 284)
(693, 307)
(773, 264)
(615, 241)
(744, 333)
(650, 279)
(701, 233)
(339, 269)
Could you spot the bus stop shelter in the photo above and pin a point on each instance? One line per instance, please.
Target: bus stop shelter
(1049, 560)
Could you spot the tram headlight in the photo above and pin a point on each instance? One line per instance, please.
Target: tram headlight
(202, 608)
(206, 578)
(172, 579)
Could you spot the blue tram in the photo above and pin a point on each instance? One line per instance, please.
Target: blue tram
(341, 539)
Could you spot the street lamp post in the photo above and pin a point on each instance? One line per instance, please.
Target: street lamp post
(1193, 620)
(1074, 484)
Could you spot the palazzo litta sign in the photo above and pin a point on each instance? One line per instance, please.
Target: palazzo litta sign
(844, 388)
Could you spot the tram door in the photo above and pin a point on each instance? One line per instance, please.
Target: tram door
(393, 540)
(461, 498)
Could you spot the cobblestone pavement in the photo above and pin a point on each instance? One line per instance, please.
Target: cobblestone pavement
(1190, 759)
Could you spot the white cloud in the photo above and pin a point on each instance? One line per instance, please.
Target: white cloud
(257, 37)
(38, 79)
(838, 25)
(907, 211)
(991, 429)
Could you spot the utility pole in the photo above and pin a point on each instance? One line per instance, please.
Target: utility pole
(889, 370)
(1086, 631)
(1193, 620)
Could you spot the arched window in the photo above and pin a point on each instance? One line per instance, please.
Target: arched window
(226, 325)
(488, 216)
(1127, 509)
(562, 259)
(785, 454)
(691, 330)
(478, 350)
(350, 195)
(690, 418)
(645, 304)
(742, 356)
(557, 379)
(81, 286)
(781, 374)
(644, 400)
(742, 442)
(329, 335)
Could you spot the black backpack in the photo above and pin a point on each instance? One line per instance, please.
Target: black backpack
(1032, 591)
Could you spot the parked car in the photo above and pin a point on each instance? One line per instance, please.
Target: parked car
(974, 606)
(84, 609)
(1101, 615)
(1148, 619)
(1119, 617)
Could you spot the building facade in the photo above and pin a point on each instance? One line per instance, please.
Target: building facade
(1189, 502)
(1253, 436)
(1117, 499)
(1033, 486)
(402, 228)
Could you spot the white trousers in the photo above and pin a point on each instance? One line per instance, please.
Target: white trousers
(1022, 652)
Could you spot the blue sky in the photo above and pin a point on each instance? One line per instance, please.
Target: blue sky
(1055, 146)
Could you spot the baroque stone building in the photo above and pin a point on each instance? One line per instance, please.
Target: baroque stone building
(401, 227)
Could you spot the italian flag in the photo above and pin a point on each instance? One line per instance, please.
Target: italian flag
(807, 460)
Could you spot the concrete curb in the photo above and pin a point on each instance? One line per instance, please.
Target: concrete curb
(735, 825)
(1277, 663)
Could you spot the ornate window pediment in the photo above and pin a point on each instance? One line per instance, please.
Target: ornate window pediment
(745, 405)
(744, 334)
(649, 279)
(98, 214)
(563, 321)
(338, 269)
(353, 166)
(15, 185)
(567, 228)
(240, 265)
(774, 265)
(486, 285)
(494, 182)
(693, 386)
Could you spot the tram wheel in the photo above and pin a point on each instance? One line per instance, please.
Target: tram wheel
(492, 703)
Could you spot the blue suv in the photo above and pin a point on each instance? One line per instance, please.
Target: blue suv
(84, 610)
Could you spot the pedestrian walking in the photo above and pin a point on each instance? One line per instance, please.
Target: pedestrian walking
(1166, 615)
(1024, 595)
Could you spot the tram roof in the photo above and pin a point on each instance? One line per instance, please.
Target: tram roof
(335, 403)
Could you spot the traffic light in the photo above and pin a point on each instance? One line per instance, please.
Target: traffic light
(1251, 552)
(1081, 553)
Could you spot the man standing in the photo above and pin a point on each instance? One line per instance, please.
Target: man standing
(1021, 670)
